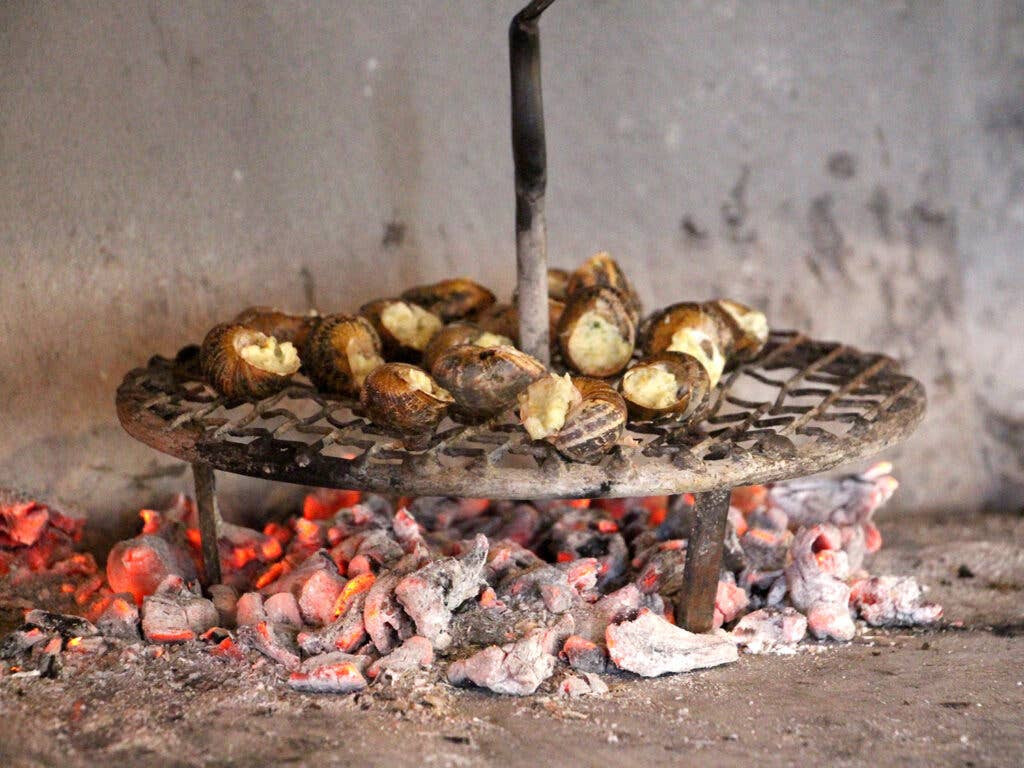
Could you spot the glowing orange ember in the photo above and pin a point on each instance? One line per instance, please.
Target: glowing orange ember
(74, 642)
(354, 587)
(565, 557)
(325, 504)
(194, 537)
(151, 520)
(607, 526)
(578, 503)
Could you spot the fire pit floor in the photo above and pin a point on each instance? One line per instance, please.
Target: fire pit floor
(951, 696)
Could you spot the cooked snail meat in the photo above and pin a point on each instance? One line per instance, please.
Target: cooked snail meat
(748, 327)
(404, 328)
(242, 362)
(669, 384)
(341, 352)
(688, 327)
(581, 417)
(596, 332)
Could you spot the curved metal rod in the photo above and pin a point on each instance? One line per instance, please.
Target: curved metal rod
(530, 157)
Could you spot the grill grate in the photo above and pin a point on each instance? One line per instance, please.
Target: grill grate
(803, 406)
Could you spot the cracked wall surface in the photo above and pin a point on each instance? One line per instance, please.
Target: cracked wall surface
(855, 169)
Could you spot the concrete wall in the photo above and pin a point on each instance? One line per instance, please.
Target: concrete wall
(854, 168)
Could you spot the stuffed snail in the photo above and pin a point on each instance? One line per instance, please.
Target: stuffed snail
(341, 352)
(454, 299)
(484, 381)
(404, 328)
(462, 332)
(596, 332)
(668, 385)
(242, 362)
(748, 327)
(689, 327)
(582, 417)
(601, 270)
(404, 400)
(283, 326)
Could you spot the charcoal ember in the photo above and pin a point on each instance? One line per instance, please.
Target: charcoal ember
(765, 549)
(120, 619)
(174, 613)
(407, 533)
(846, 500)
(439, 512)
(275, 641)
(293, 580)
(764, 588)
(384, 616)
(582, 576)
(814, 579)
(545, 582)
(770, 629)
(733, 556)
(749, 498)
(346, 633)
(586, 684)
(65, 625)
(516, 668)
(225, 600)
(661, 568)
(515, 522)
(334, 658)
(583, 655)
(378, 550)
(22, 522)
(21, 641)
(325, 503)
(249, 610)
(139, 565)
(343, 677)
(893, 601)
(283, 608)
(650, 646)
(506, 558)
(414, 653)
(590, 533)
(730, 601)
(432, 593)
(620, 605)
(318, 596)
(85, 646)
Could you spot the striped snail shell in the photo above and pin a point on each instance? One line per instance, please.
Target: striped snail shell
(404, 399)
(283, 326)
(340, 352)
(689, 327)
(244, 363)
(484, 381)
(601, 270)
(748, 327)
(454, 299)
(462, 332)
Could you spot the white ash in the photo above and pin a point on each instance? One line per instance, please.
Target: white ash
(175, 613)
(650, 646)
(815, 579)
(414, 653)
(893, 601)
(770, 630)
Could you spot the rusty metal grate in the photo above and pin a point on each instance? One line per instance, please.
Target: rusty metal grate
(802, 407)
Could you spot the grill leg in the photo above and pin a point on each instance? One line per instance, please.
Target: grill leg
(703, 561)
(209, 519)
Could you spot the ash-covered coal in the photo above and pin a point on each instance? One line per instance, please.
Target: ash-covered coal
(514, 597)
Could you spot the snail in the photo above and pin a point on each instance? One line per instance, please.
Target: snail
(462, 332)
(404, 328)
(601, 270)
(688, 327)
(748, 327)
(503, 319)
(580, 416)
(596, 332)
(340, 352)
(666, 385)
(484, 381)
(404, 399)
(558, 284)
(454, 299)
(283, 326)
(242, 362)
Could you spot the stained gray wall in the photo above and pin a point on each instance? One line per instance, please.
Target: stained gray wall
(855, 168)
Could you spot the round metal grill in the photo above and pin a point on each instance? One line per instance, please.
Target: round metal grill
(802, 407)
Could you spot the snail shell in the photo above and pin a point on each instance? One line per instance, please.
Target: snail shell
(454, 299)
(503, 319)
(748, 327)
(667, 385)
(242, 362)
(688, 327)
(596, 332)
(283, 326)
(602, 270)
(484, 381)
(462, 332)
(581, 417)
(404, 328)
(340, 352)
(558, 284)
(404, 399)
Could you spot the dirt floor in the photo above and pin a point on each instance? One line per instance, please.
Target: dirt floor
(952, 696)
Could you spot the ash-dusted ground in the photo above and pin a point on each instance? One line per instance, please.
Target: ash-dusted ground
(952, 695)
